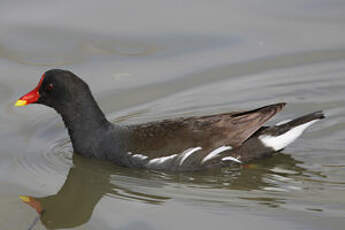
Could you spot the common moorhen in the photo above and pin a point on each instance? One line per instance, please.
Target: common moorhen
(180, 144)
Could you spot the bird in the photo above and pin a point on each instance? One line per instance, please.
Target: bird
(177, 144)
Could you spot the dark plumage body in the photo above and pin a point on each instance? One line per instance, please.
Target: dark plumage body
(181, 144)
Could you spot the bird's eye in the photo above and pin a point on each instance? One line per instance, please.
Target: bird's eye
(50, 86)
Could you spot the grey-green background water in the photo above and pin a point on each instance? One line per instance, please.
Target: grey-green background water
(149, 60)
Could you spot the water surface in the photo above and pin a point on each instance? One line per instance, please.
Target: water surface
(151, 60)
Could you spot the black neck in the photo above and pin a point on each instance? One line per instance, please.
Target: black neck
(83, 118)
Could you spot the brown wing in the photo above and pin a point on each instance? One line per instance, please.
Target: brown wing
(209, 132)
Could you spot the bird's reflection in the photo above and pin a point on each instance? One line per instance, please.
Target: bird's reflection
(89, 180)
(86, 183)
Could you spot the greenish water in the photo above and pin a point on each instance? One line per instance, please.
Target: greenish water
(151, 60)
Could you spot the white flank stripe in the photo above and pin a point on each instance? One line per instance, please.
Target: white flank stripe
(230, 158)
(160, 160)
(215, 152)
(279, 142)
(140, 156)
(187, 153)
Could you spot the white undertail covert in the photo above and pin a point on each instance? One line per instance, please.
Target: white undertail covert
(280, 142)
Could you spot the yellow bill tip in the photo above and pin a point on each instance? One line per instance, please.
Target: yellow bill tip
(25, 198)
(20, 103)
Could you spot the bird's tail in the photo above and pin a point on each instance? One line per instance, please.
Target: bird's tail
(284, 133)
